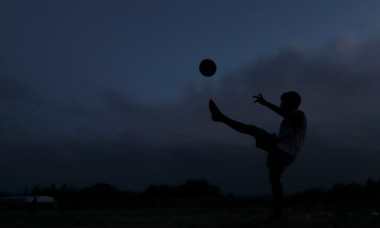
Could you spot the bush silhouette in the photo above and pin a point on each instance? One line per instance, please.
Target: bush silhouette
(191, 189)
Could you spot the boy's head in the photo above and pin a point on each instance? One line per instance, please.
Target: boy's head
(290, 100)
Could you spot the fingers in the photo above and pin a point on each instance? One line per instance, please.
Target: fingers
(259, 98)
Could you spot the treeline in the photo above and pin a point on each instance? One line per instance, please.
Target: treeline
(194, 193)
(99, 191)
(102, 195)
(339, 192)
(191, 189)
(103, 191)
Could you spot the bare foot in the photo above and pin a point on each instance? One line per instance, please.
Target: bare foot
(216, 115)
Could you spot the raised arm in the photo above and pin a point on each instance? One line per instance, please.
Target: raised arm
(280, 111)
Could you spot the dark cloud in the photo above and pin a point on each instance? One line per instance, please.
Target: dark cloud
(337, 94)
(117, 101)
(127, 162)
(339, 86)
(14, 91)
(132, 144)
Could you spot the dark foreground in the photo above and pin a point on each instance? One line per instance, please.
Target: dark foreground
(191, 218)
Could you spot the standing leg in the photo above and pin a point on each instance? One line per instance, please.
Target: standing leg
(277, 163)
(277, 192)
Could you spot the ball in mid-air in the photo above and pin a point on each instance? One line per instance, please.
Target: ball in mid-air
(207, 67)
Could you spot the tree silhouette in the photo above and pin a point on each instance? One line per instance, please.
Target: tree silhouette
(191, 189)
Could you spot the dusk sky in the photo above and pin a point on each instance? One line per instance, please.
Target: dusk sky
(110, 92)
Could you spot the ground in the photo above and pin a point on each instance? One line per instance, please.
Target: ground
(226, 217)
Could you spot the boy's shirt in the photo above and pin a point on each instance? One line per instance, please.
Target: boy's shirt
(292, 133)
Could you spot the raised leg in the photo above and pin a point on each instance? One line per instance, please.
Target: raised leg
(218, 116)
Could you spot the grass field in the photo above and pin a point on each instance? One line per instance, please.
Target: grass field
(228, 217)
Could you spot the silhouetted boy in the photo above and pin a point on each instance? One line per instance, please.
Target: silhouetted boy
(282, 149)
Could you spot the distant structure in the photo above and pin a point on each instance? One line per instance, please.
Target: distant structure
(20, 202)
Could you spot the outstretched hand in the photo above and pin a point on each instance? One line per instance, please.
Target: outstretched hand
(260, 99)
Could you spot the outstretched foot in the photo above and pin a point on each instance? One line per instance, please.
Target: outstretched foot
(216, 115)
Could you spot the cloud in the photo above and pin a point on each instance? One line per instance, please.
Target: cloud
(338, 83)
(132, 144)
(14, 91)
(339, 86)
(124, 161)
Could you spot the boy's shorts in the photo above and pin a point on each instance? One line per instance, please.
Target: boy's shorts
(277, 159)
